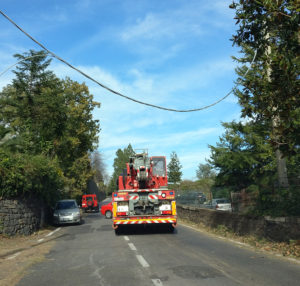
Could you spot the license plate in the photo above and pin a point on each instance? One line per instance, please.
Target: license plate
(122, 208)
(165, 208)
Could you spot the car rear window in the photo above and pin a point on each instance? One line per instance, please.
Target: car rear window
(65, 205)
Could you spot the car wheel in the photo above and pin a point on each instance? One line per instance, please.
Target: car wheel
(108, 214)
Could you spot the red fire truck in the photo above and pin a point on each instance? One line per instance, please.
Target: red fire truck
(143, 196)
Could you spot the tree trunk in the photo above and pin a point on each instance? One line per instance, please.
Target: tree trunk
(281, 170)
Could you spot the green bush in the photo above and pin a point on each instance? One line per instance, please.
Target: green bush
(22, 174)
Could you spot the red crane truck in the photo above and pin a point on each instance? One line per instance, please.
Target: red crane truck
(143, 196)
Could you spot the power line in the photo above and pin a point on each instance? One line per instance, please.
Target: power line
(10, 67)
(116, 92)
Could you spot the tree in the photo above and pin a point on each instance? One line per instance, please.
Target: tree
(23, 103)
(243, 156)
(205, 171)
(122, 157)
(270, 90)
(23, 174)
(174, 169)
(41, 114)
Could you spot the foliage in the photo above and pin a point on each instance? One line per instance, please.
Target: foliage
(203, 185)
(245, 160)
(42, 115)
(271, 88)
(205, 171)
(122, 157)
(76, 177)
(23, 174)
(245, 155)
(174, 169)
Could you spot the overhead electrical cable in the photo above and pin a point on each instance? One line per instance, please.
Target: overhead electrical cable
(10, 67)
(116, 92)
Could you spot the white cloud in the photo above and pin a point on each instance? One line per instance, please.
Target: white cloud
(165, 26)
(193, 18)
(191, 160)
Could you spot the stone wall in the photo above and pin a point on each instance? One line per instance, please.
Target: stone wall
(277, 229)
(20, 216)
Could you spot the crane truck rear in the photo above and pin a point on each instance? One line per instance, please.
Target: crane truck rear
(143, 196)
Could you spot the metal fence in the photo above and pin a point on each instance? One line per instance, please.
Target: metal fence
(193, 198)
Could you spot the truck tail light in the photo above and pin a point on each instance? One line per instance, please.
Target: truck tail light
(166, 212)
(121, 213)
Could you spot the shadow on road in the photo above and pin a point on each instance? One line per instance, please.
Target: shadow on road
(145, 229)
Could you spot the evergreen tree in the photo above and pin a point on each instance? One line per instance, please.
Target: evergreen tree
(270, 90)
(243, 157)
(174, 169)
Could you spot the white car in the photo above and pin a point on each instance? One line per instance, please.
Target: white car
(221, 204)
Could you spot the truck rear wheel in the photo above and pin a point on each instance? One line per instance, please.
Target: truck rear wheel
(170, 228)
(118, 231)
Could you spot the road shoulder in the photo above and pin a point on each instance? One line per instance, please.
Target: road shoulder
(288, 251)
(19, 253)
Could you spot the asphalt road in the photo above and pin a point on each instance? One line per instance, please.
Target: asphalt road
(91, 254)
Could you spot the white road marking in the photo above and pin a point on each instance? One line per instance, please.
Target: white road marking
(52, 232)
(141, 260)
(131, 245)
(237, 242)
(157, 282)
(294, 260)
(13, 256)
(126, 237)
(40, 240)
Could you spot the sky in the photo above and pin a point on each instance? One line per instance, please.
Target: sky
(172, 53)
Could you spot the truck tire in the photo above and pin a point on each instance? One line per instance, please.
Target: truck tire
(170, 228)
(108, 214)
(118, 231)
